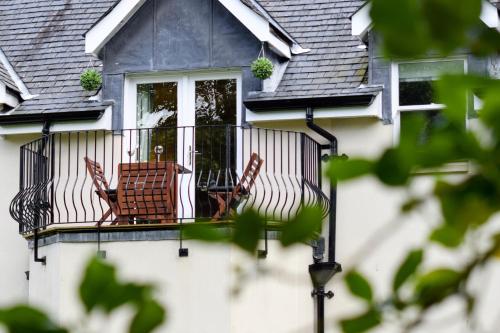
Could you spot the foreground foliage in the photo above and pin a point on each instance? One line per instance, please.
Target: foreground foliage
(412, 29)
(100, 290)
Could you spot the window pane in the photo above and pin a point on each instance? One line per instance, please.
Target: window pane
(429, 70)
(416, 93)
(416, 79)
(215, 104)
(157, 108)
(157, 104)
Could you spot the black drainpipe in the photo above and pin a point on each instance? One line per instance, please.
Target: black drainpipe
(322, 272)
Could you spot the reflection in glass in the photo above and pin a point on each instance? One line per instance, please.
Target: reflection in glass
(156, 108)
(416, 80)
(215, 104)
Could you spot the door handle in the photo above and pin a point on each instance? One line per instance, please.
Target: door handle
(191, 154)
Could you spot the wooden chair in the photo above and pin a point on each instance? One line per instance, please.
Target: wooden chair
(103, 191)
(228, 198)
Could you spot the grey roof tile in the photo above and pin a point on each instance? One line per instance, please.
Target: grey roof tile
(335, 65)
(43, 40)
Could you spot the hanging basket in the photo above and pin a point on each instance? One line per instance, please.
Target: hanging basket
(262, 68)
(90, 79)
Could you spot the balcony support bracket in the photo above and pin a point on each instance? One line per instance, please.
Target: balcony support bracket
(42, 260)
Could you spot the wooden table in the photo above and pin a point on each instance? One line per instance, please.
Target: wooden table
(147, 191)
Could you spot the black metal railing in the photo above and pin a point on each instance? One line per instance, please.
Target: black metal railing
(166, 175)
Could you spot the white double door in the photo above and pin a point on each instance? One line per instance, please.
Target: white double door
(174, 116)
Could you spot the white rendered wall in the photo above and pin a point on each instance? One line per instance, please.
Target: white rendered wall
(13, 247)
(197, 289)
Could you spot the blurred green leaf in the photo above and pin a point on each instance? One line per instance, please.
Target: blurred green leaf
(361, 323)
(101, 289)
(484, 41)
(394, 167)
(448, 236)
(449, 21)
(305, 226)
(348, 169)
(470, 203)
(490, 113)
(411, 204)
(407, 268)
(24, 319)
(436, 285)
(359, 286)
(149, 316)
(412, 28)
(401, 25)
(204, 232)
(248, 228)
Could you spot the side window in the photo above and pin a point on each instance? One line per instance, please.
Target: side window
(416, 99)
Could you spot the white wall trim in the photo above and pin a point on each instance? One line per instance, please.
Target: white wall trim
(489, 15)
(104, 123)
(6, 98)
(272, 83)
(361, 21)
(109, 25)
(25, 94)
(132, 80)
(374, 110)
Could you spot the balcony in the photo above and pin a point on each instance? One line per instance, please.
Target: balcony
(161, 176)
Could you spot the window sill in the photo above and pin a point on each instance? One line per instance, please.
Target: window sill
(453, 167)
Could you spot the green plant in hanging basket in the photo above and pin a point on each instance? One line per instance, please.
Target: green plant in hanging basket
(262, 68)
(90, 79)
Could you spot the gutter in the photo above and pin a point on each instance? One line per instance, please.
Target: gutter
(25, 118)
(268, 104)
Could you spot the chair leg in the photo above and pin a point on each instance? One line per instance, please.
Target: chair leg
(104, 217)
(222, 207)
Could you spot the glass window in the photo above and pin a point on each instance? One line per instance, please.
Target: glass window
(419, 110)
(416, 80)
(157, 108)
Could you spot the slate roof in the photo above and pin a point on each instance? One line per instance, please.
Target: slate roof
(335, 65)
(6, 78)
(43, 40)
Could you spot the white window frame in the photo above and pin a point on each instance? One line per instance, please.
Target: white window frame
(397, 109)
(185, 90)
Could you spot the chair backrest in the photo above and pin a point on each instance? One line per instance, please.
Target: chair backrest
(97, 174)
(249, 175)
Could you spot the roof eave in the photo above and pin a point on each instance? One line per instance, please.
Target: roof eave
(119, 15)
(26, 118)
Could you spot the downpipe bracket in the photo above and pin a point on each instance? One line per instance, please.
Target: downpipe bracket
(327, 157)
(321, 293)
